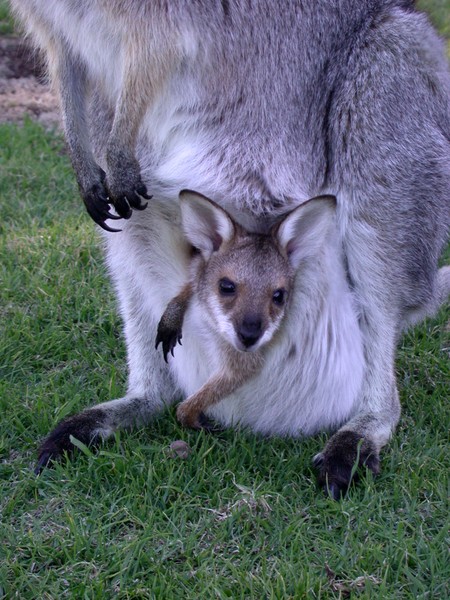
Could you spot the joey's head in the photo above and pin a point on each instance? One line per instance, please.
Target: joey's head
(244, 280)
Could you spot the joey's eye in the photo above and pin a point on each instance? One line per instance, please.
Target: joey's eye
(226, 287)
(278, 297)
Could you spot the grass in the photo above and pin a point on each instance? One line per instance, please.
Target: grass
(241, 517)
(6, 22)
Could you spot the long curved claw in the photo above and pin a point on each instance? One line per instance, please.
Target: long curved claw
(122, 206)
(136, 202)
(44, 460)
(98, 207)
(141, 189)
(99, 198)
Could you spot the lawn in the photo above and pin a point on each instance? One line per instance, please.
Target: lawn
(242, 516)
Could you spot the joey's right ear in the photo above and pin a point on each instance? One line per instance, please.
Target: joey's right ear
(303, 232)
(205, 224)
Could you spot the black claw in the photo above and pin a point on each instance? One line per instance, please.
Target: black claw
(106, 227)
(141, 189)
(98, 207)
(169, 338)
(122, 207)
(98, 201)
(136, 202)
(44, 460)
(109, 215)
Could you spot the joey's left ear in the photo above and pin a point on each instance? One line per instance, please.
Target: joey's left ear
(303, 231)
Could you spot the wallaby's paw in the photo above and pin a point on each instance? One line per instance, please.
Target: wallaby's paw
(127, 196)
(83, 426)
(208, 424)
(124, 182)
(167, 336)
(345, 453)
(97, 205)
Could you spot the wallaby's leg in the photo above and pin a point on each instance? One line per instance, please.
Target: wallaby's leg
(359, 441)
(150, 390)
(190, 411)
(389, 130)
(171, 323)
(71, 77)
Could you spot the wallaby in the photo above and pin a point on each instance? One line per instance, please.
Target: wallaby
(242, 281)
(262, 105)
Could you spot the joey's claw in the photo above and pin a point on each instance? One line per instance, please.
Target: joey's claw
(208, 424)
(169, 338)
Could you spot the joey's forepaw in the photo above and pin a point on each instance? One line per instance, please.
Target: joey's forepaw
(208, 424)
(168, 337)
(189, 416)
(84, 427)
(345, 453)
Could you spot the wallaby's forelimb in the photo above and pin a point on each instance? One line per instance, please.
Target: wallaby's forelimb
(171, 323)
(72, 80)
(242, 366)
(148, 66)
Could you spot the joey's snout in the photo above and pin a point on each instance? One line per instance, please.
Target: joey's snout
(249, 331)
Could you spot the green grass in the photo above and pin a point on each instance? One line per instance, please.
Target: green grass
(241, 517)
(6, 22)
(439, 12)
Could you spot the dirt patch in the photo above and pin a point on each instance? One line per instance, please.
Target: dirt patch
(23, 88)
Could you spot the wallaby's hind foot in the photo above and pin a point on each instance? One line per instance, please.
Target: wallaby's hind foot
(341, 461)
(87, 427)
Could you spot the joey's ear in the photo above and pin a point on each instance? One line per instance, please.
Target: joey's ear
(205, 224)
(303, 231)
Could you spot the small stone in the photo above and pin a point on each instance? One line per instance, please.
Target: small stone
(179, 449)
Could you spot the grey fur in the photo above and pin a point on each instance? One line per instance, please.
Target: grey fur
(263, 105)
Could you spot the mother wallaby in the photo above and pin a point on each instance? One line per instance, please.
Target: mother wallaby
(261, 105)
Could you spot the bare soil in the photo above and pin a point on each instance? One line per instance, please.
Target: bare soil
(24, 90)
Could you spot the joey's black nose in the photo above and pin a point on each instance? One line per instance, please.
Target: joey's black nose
(250, 331)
